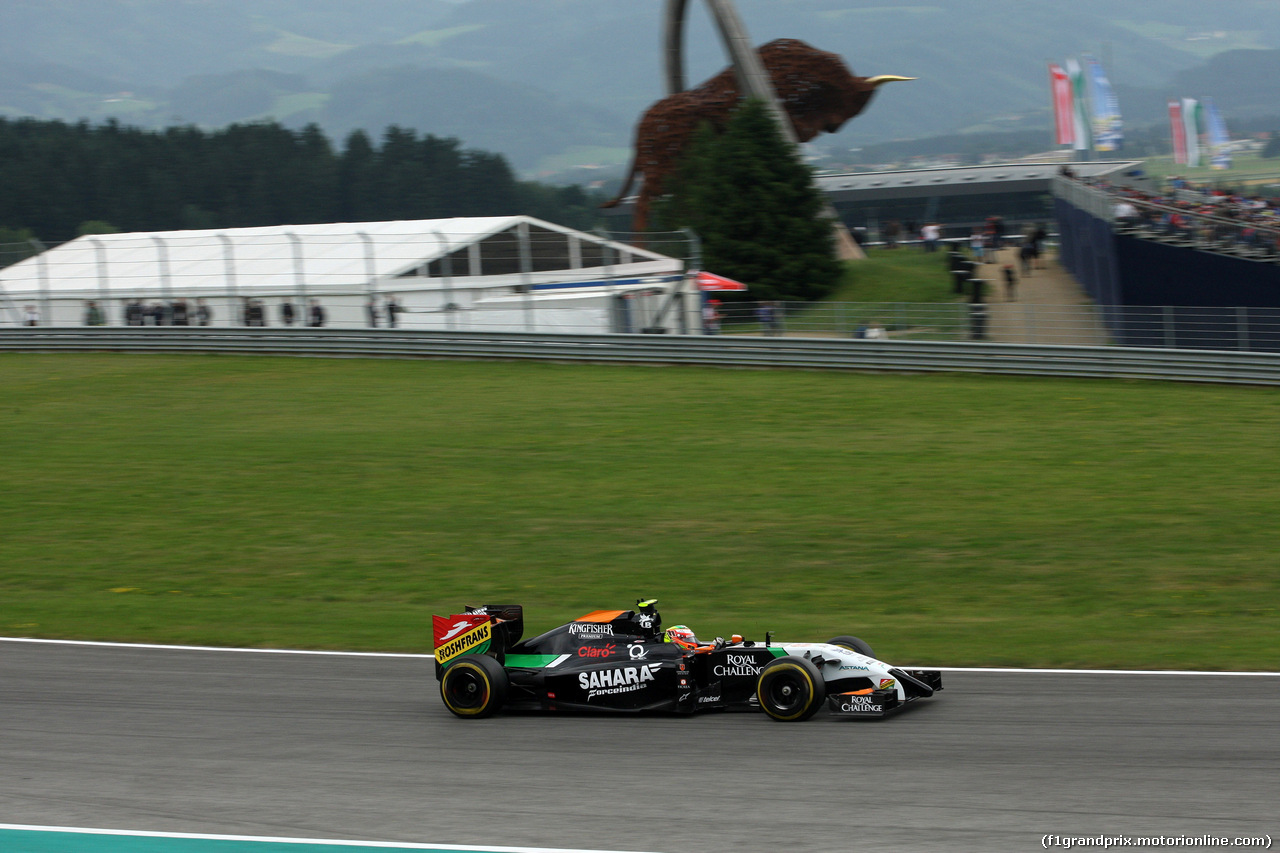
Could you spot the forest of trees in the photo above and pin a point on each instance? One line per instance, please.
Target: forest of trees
(60, 180)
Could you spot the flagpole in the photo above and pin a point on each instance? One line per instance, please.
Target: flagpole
(1053, 106)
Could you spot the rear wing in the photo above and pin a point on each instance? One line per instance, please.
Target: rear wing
(491, 629)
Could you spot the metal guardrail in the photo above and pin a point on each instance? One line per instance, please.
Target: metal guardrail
(807, 353)
(1002, 321)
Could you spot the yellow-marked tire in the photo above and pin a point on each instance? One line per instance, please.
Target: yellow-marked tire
(853, 644)
(790, 689)
(474, 686)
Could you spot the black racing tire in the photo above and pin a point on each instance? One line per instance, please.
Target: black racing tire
(474, 686)
(790, 689)
(853, 644)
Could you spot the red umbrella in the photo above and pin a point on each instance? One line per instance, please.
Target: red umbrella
(711, 281)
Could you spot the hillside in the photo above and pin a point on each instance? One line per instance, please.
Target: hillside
(536, 78)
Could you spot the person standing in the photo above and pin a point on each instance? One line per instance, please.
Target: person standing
(93, 314)
(134, 313)
(203, 313)
(775, 321)
(890, 233)
(931, 233)
(1010, 284)
(1026, 254)
(764, 314)
(393, 310)
(1038, 236)
(371, 311)
(315, 315)
(711, 317)
(977, 313)
(976, 244)
(286, 312)
(30, 316)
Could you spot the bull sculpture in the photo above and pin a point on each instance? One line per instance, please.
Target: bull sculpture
(815, 88)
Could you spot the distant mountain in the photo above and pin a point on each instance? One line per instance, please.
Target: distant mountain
(1241, 82)
(535, 78)
(488, 114)
(160, 42)
(214, 100)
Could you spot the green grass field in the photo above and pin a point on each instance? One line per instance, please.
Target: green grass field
(338, 503)
(886, 276)
(1249, 170)
(905, 274)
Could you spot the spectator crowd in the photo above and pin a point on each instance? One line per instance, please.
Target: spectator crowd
(1207, 217)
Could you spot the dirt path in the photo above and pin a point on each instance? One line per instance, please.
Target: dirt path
(1047, 306)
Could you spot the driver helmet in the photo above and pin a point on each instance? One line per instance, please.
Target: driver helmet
(682, 636)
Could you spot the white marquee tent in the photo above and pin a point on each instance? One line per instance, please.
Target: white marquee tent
(487, 273)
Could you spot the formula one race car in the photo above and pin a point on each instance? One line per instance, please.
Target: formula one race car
(622, 660)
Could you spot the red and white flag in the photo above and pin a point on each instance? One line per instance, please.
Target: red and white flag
(1179, 129)
(1063, 117)
(711, 281)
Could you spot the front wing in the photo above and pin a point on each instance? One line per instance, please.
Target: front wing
(881, 702)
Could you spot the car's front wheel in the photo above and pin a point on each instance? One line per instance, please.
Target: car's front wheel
(790, 689)
(474, 687)
(853, 644)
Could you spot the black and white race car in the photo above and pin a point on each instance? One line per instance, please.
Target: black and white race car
(623, 661)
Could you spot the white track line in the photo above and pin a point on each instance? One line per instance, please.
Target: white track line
(316, 841)
(211, 648)
(1089, 671)
(1010, 669)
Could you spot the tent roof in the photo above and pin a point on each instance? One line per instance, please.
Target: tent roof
(332, 254)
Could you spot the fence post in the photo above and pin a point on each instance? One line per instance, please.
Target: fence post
(695, 249)
(235, 308)
(300, 278)
(370, 270)
(615, 311)
(446, 271)
(162, 256)
(44, 281)
(100, 252)
(526, 271)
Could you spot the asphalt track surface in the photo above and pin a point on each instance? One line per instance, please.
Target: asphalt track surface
(348, 747)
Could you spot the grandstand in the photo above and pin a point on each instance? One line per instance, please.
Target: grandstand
(957, 198)
(1199, 268)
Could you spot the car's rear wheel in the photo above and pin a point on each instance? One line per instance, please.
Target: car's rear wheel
(790, 689)
(853, 644)
(474, 687)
